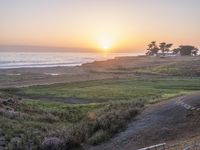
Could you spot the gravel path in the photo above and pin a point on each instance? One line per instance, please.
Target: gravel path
(167, 121)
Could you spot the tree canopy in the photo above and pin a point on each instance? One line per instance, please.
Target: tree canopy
(152, 48)
(183, 50)
(188, 50)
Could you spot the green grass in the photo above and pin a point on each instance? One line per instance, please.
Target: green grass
(114, 90)
(114, 103)
(40, 119)
(183, 68)
(65, 112)
(109, 104)
(73, 123)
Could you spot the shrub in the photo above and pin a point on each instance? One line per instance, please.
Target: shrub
(53, 143)
(49, 118)
(98, 137)
(101, 124)
(16, 143)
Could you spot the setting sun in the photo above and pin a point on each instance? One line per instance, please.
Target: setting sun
(105, 46)
(105, 42)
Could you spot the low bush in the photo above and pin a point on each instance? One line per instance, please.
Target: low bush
(101, 124)
(41, 125)
(98, 137)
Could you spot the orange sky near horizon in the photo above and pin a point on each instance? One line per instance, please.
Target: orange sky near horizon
(123, 25)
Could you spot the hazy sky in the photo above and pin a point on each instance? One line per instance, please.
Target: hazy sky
(115, 24)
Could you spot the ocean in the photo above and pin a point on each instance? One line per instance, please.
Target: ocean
(52, 59)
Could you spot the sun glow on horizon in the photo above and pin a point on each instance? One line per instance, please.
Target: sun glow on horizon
(105, 47)
(105, 42)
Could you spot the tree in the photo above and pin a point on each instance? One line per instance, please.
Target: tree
(152, 48)
(176, 50)
(164, 47)
(168, 46)
(188, 50)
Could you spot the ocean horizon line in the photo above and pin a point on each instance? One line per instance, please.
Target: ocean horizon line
(10, 60)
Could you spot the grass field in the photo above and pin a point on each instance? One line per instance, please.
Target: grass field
(113, 103)
(35, 116)
(114, 90)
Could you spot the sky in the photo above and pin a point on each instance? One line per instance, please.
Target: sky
(117, 25)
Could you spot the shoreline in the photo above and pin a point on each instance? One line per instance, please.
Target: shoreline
(48, 60)
(53, 66)
(43, 66)
(119, 67)
(59, 70)
(20, 77)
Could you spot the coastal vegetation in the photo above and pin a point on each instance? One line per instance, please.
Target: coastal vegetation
(183, 50)
(99, 74)
(34, 120)
(84, 113)
(112, 90)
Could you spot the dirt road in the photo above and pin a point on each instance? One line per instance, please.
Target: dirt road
(168, 121)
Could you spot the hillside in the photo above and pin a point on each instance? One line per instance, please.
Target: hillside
(88, 105)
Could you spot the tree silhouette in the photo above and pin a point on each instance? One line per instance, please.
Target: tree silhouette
(164, 47)
(176, 50)
(168, 46)
(152, 48)
(184, 50)
(188, 50)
